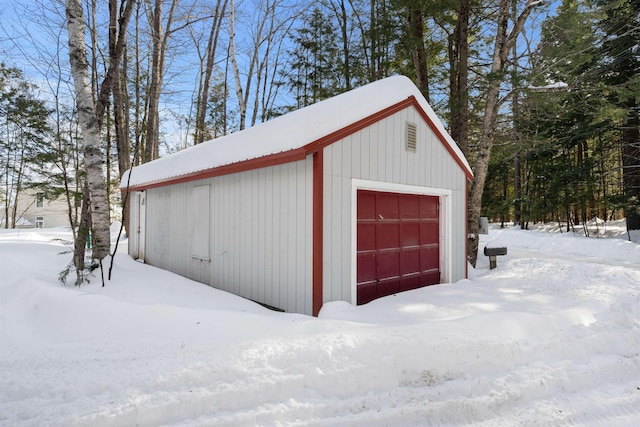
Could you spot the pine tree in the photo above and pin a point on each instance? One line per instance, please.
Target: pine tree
(315, 62)
(565, 124)
(23, 132)
(621, 71)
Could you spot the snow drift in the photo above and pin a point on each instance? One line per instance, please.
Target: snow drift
(550, 337)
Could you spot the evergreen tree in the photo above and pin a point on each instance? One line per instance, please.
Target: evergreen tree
(23, 132)
(621, 71)
(315, 60)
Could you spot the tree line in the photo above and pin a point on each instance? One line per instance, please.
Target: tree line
(541, 98)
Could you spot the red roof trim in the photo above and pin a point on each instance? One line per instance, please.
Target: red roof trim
(359, 125)
(442, 138)
(312, 147)
(242, 166)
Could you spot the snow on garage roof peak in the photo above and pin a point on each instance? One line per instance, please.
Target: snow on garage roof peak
(289, 132)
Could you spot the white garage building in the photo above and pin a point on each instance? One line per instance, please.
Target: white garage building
(353, 198)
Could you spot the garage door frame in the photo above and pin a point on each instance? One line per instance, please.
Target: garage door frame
(445, 232)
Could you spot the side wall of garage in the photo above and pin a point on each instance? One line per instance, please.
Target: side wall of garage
(378, 154)
(248, 233)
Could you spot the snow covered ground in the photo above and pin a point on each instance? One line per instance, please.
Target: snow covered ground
(550, 337)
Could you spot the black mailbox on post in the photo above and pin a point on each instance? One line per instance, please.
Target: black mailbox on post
(492, 253)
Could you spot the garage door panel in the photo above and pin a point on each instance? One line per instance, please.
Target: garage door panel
(410, 261)
(429, 258)
(366, 236)
(429, 232)
(409, 234)
(411, 282)
(387, 206)
(388, 265)
(397, 238)
(387, 235)
(367, 293)
(429, 207)
(388, 287)
(409, 207)
(366, 205)
(367, 269)
(430, 278)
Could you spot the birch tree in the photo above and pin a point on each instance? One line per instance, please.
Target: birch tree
(505, 39)
(119, 112)
(263, 36)
(205, 80)
(160, 32)
(242, 105)
(90, 114)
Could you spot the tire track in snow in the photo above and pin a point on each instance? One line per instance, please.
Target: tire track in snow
(279, 388)
(531, 253)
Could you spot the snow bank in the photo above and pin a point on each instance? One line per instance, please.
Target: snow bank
(552, 336)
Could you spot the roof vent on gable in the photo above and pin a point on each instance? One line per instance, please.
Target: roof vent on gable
(411, 137)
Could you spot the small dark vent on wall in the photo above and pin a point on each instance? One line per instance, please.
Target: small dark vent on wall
(411, 137)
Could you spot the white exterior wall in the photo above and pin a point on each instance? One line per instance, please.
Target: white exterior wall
(259, 232)
(55, 213)
(377, 154)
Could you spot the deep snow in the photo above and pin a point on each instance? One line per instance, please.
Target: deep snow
(550, 337)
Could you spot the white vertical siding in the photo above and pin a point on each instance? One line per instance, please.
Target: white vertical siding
(377, 153)
(260, 234)
(134, 213)
(266, 256)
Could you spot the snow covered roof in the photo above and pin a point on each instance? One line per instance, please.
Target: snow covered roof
(289, 132)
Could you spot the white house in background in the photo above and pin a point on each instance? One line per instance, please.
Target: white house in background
(34, 210)
(353, 198)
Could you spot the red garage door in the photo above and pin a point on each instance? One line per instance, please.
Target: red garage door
(398, 243)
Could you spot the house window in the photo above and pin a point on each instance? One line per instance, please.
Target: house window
(39, 200)
(39, 222)
(411, 137)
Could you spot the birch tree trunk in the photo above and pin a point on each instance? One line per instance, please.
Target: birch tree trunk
(90, 115)
(242, 106)
(160, 36)
(212, 47)
(503, 44)
(90, 126)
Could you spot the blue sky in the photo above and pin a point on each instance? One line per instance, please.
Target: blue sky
(37, 45)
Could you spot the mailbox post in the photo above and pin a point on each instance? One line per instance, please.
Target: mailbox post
(492, 253)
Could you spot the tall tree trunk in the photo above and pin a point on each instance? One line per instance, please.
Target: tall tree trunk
(139, 105)
(90, 116)
(119, 116)
(340, 11)
(242, 106)
(90, 125)
(121, 131)
(515, 111)
(503, 44)
(80, 242)
(418, 51)
(517, 185)
(160, 38)
(212, 47)
(631, 165)
(458, 79)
